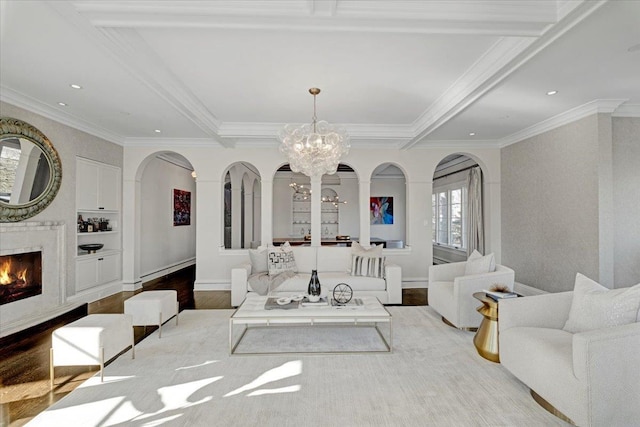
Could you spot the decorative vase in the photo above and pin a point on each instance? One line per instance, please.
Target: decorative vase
(314, 286)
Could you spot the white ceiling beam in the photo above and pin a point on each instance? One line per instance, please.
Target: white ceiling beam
(487, 17)
(499, 62)
(133, 53)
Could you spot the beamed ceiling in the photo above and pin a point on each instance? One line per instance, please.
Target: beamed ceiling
(397, 74)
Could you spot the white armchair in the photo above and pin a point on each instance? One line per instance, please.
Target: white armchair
(450, 292)
(592, 377)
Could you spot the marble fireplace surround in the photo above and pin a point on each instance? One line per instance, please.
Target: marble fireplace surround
(48, 237)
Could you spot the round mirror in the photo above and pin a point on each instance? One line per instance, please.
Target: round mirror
(30, 170)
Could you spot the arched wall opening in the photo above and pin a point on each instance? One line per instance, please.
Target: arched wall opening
(458, 208)
(166, 199)
(388, 206)
(239, 206)
(338, 213)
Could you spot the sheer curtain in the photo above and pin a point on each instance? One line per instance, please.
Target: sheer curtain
(475, 221)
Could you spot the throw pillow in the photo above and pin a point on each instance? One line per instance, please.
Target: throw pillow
(367, 266)
(258, 258)
(281, 259)
(595, 307)
(375, 250)
(478, 264)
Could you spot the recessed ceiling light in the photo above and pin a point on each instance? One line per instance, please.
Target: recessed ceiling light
(62, 104)
(75, 86)
(472, 134)
(552, 92)
(157, 131)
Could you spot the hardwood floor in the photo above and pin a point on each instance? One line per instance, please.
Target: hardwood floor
(24, 362)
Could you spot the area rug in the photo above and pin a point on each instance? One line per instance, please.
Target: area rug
(434, 377)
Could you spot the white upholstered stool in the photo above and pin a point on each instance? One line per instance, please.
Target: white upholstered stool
(91, 340)
(153, 308)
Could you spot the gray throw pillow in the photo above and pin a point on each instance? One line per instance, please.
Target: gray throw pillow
(258, 258)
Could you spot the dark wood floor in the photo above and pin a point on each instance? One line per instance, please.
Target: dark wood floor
(24, 362)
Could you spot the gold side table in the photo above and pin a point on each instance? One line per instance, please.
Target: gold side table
(486, 339)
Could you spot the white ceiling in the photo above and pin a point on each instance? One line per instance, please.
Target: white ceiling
(397, 74)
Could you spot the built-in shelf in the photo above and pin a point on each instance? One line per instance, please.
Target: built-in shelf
(301, 218)
(98, 254)
(98, 196)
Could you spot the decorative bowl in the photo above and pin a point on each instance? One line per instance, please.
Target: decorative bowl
(91, 247)
(283, 301)
(297, 297)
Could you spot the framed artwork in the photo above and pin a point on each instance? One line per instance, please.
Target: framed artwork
(381, 210)
(181, 207)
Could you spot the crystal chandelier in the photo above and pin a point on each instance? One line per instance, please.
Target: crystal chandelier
(314, 149)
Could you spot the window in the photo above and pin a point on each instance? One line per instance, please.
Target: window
(448, 216)
(9, 159)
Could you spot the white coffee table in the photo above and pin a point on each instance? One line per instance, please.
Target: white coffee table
(252, 313)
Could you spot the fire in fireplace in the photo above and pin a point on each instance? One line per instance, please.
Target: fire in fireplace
(20, 276)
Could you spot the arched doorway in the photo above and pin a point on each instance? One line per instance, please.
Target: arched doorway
(388, 206)
(239, 206)
(457, 209)
(167, 206)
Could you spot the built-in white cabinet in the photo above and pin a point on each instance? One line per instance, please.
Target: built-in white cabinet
(97, 186)
(98, 197)
(97, 269)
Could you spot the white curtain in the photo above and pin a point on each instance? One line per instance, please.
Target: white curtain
(475, 221)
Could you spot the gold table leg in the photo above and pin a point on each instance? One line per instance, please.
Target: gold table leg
(486, 339)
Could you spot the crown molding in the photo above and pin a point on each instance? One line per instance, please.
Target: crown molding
(355, 130)
(457, 144)
(172, 142)
(606, 106)
(21, 100)
(627, 110)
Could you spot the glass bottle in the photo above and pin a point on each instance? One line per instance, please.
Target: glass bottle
(314, 284)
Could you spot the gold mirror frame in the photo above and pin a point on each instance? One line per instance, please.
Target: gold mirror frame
(10, 127)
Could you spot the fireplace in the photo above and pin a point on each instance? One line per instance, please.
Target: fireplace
(20, 276)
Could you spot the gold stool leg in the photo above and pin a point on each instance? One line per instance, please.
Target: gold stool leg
(51, 368)
(549, 407)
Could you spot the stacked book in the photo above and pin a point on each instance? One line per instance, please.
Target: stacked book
(497, 296)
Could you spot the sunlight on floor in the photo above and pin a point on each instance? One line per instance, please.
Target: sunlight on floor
(208, 362)
(291, 389)
(287, 370)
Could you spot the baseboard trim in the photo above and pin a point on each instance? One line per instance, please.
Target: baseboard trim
(164, 271)
(99, 292)
(211, 286)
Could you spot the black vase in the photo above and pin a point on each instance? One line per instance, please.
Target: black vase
(314, 284)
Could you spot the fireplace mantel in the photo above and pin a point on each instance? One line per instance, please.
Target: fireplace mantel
(50, 238)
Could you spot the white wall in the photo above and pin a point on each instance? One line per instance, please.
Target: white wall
(214, 265)
(551, 191)
(626, 200)
(162, 244)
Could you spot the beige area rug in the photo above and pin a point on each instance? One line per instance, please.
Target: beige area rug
(434, 377)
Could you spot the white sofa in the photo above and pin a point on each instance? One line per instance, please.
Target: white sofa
(450, 292)
(591, 377)
(333, 264)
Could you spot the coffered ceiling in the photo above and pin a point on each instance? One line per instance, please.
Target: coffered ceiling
(397, 74)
